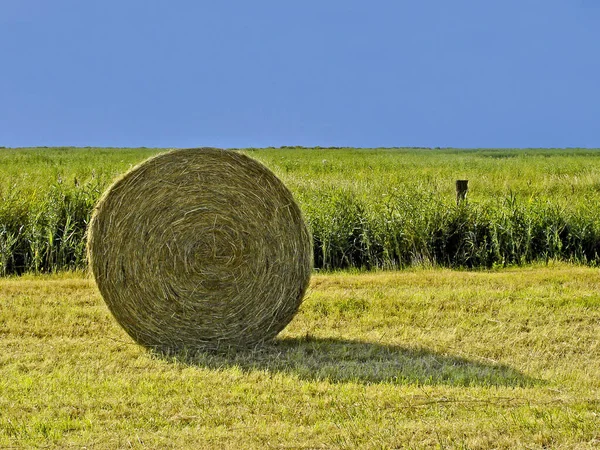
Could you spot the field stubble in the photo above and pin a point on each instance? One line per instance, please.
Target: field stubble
(419, 359)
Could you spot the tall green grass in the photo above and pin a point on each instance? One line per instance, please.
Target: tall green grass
(367, 208)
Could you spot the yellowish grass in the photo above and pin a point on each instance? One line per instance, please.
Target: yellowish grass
(418, 359)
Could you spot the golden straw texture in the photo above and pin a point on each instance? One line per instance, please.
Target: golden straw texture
(200, 248)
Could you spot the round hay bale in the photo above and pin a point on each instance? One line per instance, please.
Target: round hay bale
(200, 248)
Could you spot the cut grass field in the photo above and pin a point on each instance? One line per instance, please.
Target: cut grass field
(417, 359)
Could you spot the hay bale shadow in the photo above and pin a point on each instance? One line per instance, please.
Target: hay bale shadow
(343, 361)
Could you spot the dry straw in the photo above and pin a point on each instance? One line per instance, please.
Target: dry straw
(200, 248)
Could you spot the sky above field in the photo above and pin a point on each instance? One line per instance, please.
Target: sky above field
(461, 73)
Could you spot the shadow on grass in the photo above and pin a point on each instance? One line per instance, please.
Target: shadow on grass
(339, 361)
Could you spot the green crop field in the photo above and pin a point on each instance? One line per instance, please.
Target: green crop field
(367, 208)
(504, 356)
(420, 358)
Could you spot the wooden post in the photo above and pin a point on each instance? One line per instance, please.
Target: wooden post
(462, 186)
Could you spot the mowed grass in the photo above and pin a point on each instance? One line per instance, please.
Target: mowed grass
(415, 359)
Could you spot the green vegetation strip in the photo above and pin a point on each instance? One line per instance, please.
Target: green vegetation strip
(418, 359)
(367, 208)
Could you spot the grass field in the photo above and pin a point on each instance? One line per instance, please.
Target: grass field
(412, 359)
(367, 208)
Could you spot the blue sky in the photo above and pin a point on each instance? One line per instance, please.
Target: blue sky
(511, 73)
